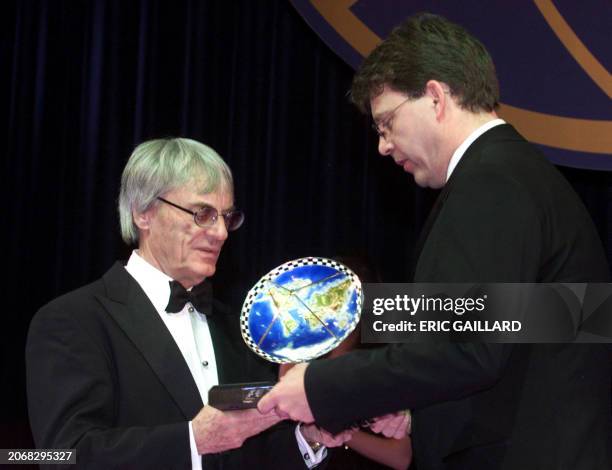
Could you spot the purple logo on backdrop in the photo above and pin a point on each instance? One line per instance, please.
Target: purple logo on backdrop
(552, 58)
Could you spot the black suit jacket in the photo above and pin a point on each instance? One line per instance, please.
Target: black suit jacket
(506, 215)
(105, 376)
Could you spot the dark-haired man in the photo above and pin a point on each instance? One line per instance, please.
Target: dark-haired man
(505, 214)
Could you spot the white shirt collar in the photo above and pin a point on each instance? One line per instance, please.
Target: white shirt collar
(454, 161)
(154, 282)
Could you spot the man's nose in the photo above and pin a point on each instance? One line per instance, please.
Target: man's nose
(219, 229)
(384, 146)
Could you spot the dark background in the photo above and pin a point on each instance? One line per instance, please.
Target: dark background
(83, 82)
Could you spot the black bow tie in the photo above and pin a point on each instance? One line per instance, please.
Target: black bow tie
(200, 297)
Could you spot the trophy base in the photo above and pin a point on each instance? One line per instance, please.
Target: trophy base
(238, 396)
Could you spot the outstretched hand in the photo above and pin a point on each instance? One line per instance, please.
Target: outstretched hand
(396, 425)
(313, 433)
(288, 397)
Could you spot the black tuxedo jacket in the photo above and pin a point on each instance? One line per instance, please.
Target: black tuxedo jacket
(105, 376)
(505, 215)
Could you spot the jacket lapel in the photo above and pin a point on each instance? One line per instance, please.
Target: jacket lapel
(468, 160)
(228, 344)
(131, 309)
(429, 223)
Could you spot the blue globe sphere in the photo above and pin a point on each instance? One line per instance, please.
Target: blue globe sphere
(301, 310)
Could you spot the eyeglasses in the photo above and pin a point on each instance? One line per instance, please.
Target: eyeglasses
(384, 125)
(207, 216)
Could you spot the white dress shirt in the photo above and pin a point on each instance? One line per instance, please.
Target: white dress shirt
(458, 154)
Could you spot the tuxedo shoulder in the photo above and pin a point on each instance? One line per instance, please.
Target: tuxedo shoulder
(523, 170)
(516, 159)
(78, 301)
(76, 298)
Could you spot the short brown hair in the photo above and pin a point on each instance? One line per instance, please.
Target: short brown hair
(429, 47)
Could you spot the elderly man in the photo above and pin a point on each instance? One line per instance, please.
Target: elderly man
(505, 214)
(120, 369)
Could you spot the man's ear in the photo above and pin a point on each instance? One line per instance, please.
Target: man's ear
(142, 220)
(439, 94)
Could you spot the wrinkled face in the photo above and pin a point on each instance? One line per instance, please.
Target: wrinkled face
(408, 132)
(172, 242)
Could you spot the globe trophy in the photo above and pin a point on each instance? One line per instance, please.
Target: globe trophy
(299, 311)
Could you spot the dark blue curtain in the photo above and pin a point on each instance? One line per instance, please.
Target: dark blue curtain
(83, 82)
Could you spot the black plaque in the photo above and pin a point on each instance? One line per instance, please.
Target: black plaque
(238, 396)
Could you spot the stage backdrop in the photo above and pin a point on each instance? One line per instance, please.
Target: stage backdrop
(553, 61)
(82, 83)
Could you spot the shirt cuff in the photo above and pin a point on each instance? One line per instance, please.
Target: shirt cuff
(311, 458)
(196, 459)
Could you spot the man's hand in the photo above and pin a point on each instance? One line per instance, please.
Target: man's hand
(215, 431)
(288, 397)
(396, 425)
(313, 433)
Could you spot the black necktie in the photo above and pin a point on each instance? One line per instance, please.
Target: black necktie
(200, 297)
